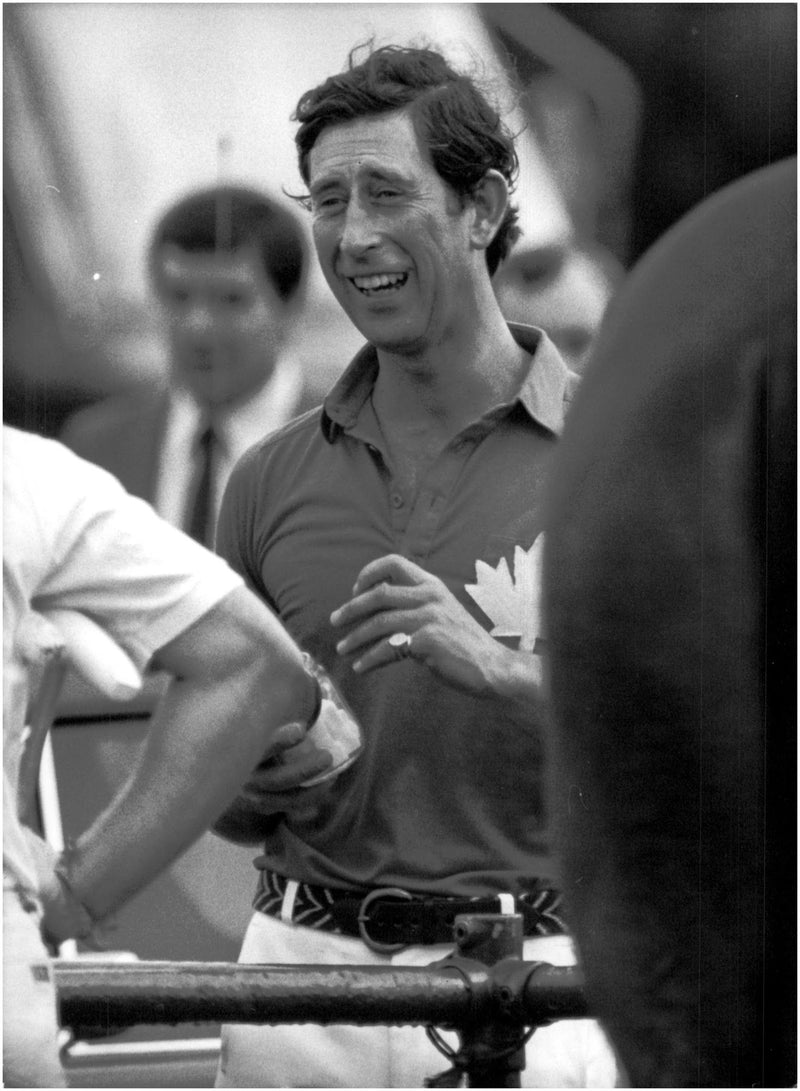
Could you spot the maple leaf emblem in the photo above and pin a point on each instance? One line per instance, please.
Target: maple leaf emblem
(512, 604)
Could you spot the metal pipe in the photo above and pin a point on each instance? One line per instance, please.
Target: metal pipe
(111, 996)
(114, 995)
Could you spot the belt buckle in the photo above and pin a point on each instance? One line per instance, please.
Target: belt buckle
(363, 917)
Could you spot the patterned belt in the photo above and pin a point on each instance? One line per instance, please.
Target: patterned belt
(388, 918)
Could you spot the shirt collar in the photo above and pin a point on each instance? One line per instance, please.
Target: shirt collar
(545, 391)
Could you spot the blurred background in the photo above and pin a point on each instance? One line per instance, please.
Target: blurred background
(630, 114)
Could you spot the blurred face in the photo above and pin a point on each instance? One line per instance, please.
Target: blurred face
(390, 234)
(560, 289)
(226, 322)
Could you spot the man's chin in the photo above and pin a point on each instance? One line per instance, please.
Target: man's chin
(395, 342)
(408, 350)
(387, 333)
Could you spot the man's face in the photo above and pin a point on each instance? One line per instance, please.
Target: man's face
(560, 288)
(226, 322)
(390, 234)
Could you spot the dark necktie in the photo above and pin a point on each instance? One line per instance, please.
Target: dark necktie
(199, 509)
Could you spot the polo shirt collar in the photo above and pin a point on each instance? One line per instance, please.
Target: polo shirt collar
(544, 392)
(547, 388)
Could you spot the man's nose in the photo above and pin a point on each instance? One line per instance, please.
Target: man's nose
(199, 319)
(359, 230)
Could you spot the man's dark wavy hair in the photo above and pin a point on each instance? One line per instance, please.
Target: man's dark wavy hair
(452, 118)
(228, 217)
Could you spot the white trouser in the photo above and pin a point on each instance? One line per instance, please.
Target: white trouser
(30, 1030)
(569, 1053)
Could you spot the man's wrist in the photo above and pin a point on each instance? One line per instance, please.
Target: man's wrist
(77, 920)
(519, 681)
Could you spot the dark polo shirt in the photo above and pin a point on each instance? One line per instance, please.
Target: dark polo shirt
(446, 796)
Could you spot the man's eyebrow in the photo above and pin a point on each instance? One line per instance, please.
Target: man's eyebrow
(374, 174)
(382, 175)
(322, 186)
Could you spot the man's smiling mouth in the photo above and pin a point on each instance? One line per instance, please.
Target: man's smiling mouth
(379, 282)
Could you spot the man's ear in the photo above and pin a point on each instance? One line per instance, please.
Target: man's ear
(489, 203)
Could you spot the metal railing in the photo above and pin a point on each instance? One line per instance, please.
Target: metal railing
(483, 990)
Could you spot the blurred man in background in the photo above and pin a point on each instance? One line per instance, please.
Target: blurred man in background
(228, 267)
(564, 290)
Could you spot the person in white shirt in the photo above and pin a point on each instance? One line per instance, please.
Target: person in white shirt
(74, 540)
(228, 266)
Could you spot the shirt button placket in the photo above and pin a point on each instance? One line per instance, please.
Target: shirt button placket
(399, 513)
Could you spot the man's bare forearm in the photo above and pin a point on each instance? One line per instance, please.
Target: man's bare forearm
(187, 772)
(208, 732)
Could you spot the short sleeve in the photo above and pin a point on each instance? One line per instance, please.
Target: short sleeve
(79, 541)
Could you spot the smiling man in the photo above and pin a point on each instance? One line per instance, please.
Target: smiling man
(228, 267)
(384, 530)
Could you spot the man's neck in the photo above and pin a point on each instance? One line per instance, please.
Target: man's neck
(452, 383)
(225, 409)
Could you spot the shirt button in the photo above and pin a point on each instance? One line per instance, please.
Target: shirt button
(397, 500)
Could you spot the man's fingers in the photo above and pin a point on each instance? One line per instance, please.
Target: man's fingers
(379, 655)
(284, 737)
(283, 778)
(383, 653)
(377, 628)
(289, 768)
(389, 569)
(378, 599)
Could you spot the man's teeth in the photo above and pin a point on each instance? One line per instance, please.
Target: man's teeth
(379, 280)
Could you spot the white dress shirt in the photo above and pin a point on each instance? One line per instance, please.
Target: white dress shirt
(235, 430)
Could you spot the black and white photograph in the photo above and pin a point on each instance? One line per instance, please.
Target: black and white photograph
(399, 545)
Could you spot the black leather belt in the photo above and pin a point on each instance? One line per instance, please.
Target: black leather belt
(388, 918)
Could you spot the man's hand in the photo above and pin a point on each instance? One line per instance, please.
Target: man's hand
(64, 916)
(274, 787)
(394, 595)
